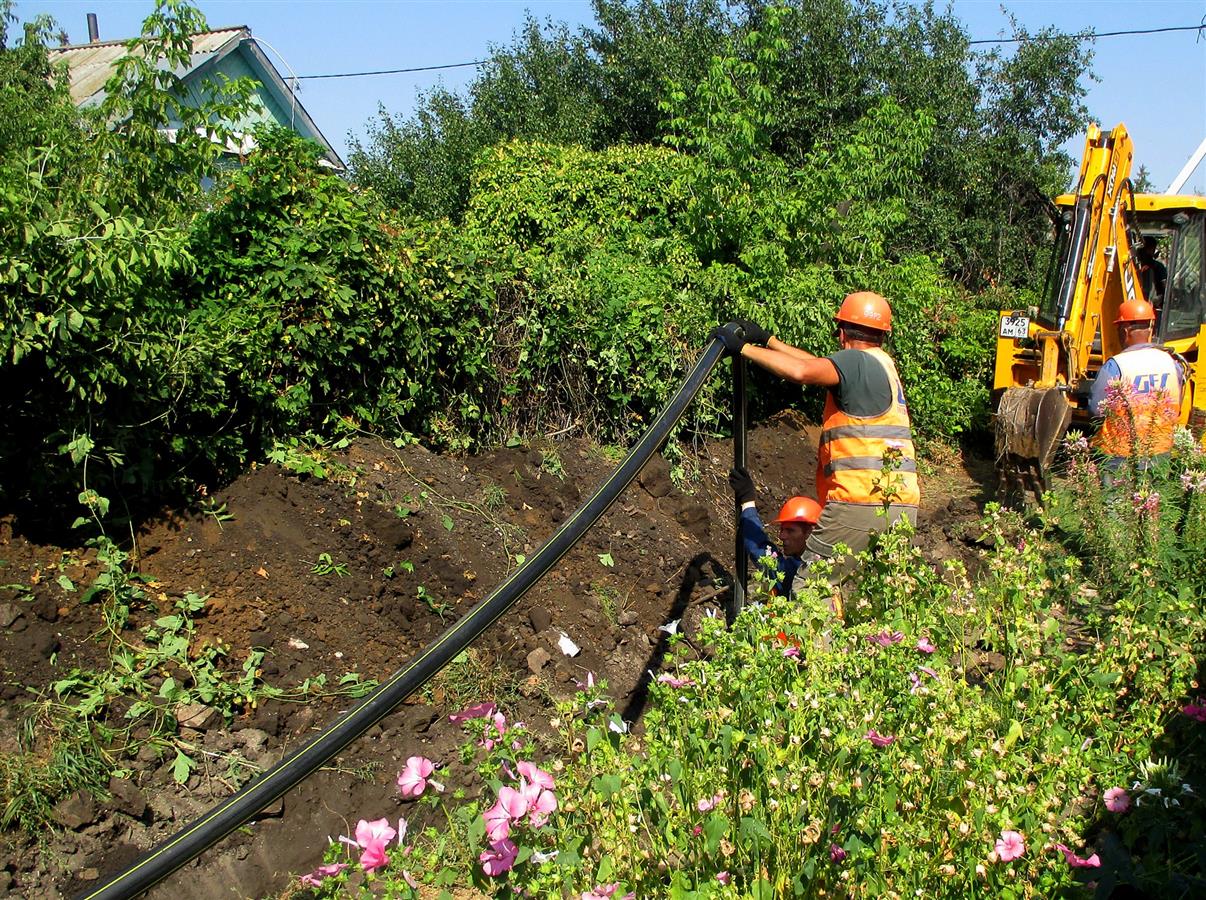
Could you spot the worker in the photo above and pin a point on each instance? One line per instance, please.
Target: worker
(796, 520)
(865, 427)
(1137, 393)
(1153, 275)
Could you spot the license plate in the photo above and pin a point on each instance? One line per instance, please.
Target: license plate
(1015, 326)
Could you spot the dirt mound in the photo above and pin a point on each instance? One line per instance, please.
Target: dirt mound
(357, 571)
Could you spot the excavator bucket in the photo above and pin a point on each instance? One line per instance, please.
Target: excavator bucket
(1029, 425)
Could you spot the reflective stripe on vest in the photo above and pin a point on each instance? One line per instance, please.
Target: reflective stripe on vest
(850, 459)
(1143, 406)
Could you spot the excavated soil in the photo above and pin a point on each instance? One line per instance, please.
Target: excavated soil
(460, 523)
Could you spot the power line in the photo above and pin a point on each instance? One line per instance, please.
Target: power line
(1089, 36)
(1082, 37)
(476, 62)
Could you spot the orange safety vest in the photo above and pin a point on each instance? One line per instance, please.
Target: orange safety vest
(1143, 406)
(850, 460)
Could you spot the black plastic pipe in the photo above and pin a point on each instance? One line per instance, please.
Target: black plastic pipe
(243, 805)
(741, 564)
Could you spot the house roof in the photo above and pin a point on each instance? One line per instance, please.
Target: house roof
(90, 65)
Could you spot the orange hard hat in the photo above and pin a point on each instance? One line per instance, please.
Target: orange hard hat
(866, 308)
(1135, 311)
(799, 509)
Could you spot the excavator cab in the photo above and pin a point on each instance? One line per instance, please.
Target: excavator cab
(1111, 245)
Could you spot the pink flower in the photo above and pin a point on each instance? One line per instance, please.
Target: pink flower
(513, 802)
(707, 804)
(1077, 862)
(879, 740)
(1194, 711)
(315, 878)
(836, 853)
(536, 775)
(1010, 846)
(540, 801)
(410, 879)
(606, 891)
(674, 682)
(924, 645)
(886, 638)
(1117, 800)
(478, 711)
(499, 723)
(498, 822)
(372, 838)
(499, 858)
(414, 778)
(724, 877)
(588, 684)
(791, 652)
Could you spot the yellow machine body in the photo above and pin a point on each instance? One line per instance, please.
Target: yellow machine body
(1047, 356)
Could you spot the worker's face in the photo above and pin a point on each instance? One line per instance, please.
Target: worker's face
(793, 536)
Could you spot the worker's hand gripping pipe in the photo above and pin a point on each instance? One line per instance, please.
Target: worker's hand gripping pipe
(240, 807)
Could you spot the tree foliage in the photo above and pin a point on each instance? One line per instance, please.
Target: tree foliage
(977, 198)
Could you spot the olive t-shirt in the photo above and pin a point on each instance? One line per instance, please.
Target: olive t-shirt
(863, 388)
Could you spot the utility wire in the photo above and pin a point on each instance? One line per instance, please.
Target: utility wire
(1089, 36)
(479, 62)
(476, 62)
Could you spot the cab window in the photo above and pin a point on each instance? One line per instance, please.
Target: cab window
(1182, 313)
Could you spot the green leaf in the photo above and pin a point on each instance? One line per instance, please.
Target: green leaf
(66, 584)
(448, 523)
(182, 767)
(607, 560)
(1013, 735)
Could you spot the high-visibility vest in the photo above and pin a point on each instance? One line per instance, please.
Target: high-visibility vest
(1143, 406)
(850, 461)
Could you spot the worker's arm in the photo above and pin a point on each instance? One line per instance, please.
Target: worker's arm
(792, 363)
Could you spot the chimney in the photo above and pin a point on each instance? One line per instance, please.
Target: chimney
(93, 30)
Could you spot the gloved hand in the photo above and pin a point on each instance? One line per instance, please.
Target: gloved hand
(754, 333)
(742, 484)
(732, 336)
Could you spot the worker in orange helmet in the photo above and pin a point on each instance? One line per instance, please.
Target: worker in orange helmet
(796, 521)
(865, 427)
(1137, 392)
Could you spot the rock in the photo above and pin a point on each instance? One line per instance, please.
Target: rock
(627, 617)
(252, 739)
(46, 609)
(655, 477)
(9, 613)
(91, 873)
(540, 618)
(196, 715)
(538, 659)
(127, 798)
(75, 811)
(564, 675)
(696, 518)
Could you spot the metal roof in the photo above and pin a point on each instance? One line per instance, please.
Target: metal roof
(90, 65)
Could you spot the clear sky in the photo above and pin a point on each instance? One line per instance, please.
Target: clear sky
(1156, 83)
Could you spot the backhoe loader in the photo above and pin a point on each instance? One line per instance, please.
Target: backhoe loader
(1048, 355)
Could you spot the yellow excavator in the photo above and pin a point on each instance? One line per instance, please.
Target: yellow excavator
(1109, 241)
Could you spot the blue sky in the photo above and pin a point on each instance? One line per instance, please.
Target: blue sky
(1156, 84)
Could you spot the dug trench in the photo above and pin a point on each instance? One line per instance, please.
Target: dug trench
(353, 573)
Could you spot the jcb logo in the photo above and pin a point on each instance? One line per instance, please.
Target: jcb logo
(1145, 384)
